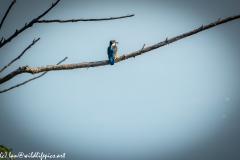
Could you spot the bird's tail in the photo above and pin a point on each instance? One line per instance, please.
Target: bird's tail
(111, 60)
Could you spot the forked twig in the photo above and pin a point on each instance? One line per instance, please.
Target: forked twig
(30, 79)
(34, 41)
(36, 20)
(27, 25)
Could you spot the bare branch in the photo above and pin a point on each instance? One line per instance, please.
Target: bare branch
(81, 19)
(26, 69)
(7, 13)
(27, 25)
(30, 79)
(143, 46)
(34, 41)
(36, 20)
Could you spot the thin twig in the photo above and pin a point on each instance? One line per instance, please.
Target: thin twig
(62, 60)
(81, 19)
(7, 13)
(1, 40)
(34, 41)
(30, 79)
(27, 25)
(143, 46)
(26, 69)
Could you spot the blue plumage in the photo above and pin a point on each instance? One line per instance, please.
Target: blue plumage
(112, 51)
(111, 60)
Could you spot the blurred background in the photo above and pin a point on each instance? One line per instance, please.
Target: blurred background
(177, 102)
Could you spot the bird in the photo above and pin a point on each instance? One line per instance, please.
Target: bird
(112, 51)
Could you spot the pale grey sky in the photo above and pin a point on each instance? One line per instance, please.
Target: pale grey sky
(180, 101)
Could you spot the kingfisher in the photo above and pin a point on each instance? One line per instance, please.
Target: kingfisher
(112, 51)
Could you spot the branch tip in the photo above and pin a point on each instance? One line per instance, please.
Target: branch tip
(6, 13)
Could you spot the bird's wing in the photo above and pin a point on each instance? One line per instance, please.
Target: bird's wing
(109, 52)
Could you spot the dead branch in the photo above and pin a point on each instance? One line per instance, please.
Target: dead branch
(81, 19)
(30, 79)
(30, 24)
(27, 69)
(34, 41)
(36, 20)
(7, 13)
